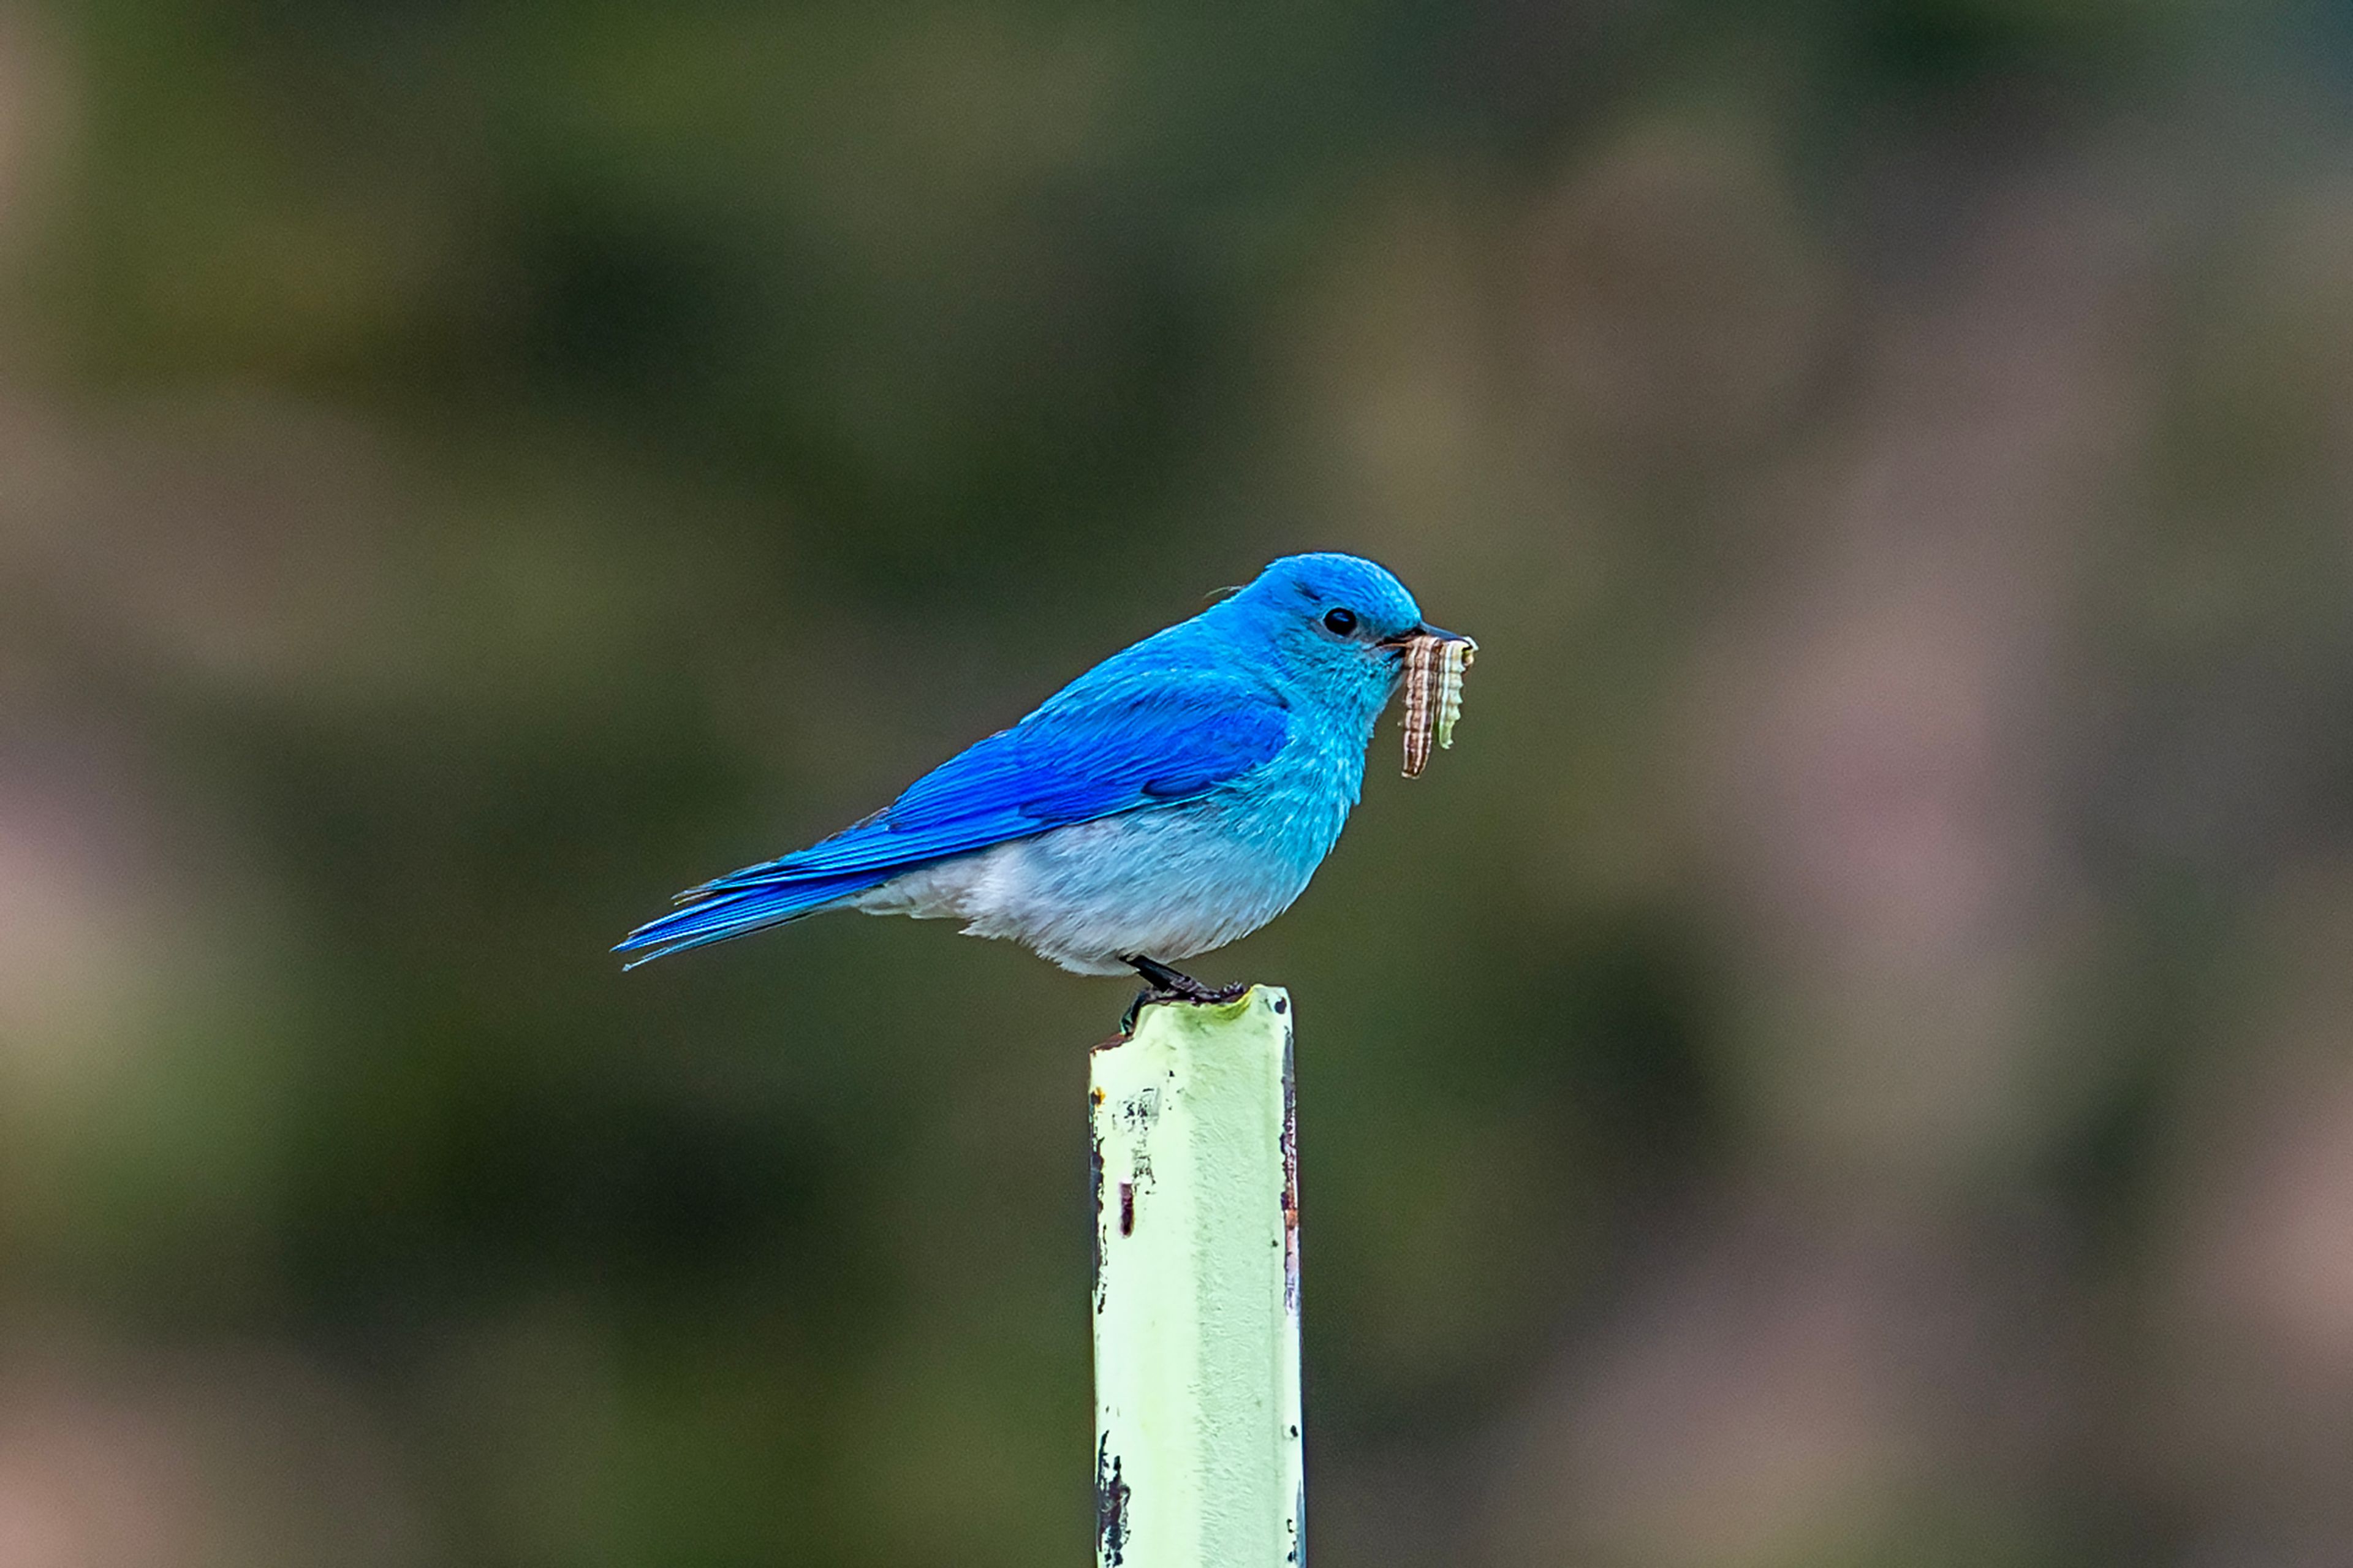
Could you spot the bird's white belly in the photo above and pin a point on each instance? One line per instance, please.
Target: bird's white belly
(1163, 884)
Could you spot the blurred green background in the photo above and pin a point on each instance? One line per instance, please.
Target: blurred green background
(1848, 1062)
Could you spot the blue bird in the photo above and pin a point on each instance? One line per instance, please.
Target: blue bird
(1174, 798)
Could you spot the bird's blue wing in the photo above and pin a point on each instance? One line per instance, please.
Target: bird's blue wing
(1098, 749)
(1137, 745)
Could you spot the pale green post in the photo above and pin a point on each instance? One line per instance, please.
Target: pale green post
(1198, 1452)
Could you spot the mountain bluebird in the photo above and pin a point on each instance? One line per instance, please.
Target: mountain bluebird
(1174, 798)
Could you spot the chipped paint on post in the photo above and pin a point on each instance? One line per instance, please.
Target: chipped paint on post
(1111, 1507)
(1198, 1446)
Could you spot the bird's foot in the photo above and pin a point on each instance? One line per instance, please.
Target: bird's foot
(1168, 985)
(1150, 995)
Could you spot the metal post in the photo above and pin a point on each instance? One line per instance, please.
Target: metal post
(1198, 1452)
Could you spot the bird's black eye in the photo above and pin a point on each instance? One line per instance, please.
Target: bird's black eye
(1340, 623)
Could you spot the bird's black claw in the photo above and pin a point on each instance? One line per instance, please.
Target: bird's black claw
(1168, 985)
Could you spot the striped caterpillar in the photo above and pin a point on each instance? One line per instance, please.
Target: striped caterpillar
(1433, 695)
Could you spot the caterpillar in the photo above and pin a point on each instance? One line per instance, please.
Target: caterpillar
(1433, 695)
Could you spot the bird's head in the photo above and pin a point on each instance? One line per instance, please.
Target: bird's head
(1339, 621)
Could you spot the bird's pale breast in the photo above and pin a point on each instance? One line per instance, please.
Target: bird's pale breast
(1167, 883)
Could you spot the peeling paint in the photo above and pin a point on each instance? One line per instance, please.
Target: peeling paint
(1290, 1174)
(1111, 1507)
(1195, 1322)
(1096, 1185)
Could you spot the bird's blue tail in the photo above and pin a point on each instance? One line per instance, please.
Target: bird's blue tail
(716, 912)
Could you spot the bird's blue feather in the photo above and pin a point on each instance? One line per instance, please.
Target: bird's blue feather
(755, 907)
(1126, 737)
(1173, 798)
(1114, 746)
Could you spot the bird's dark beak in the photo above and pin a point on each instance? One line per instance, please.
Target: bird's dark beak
(1423, 629)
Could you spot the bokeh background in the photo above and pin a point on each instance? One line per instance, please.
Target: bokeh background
(1848, 1062)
